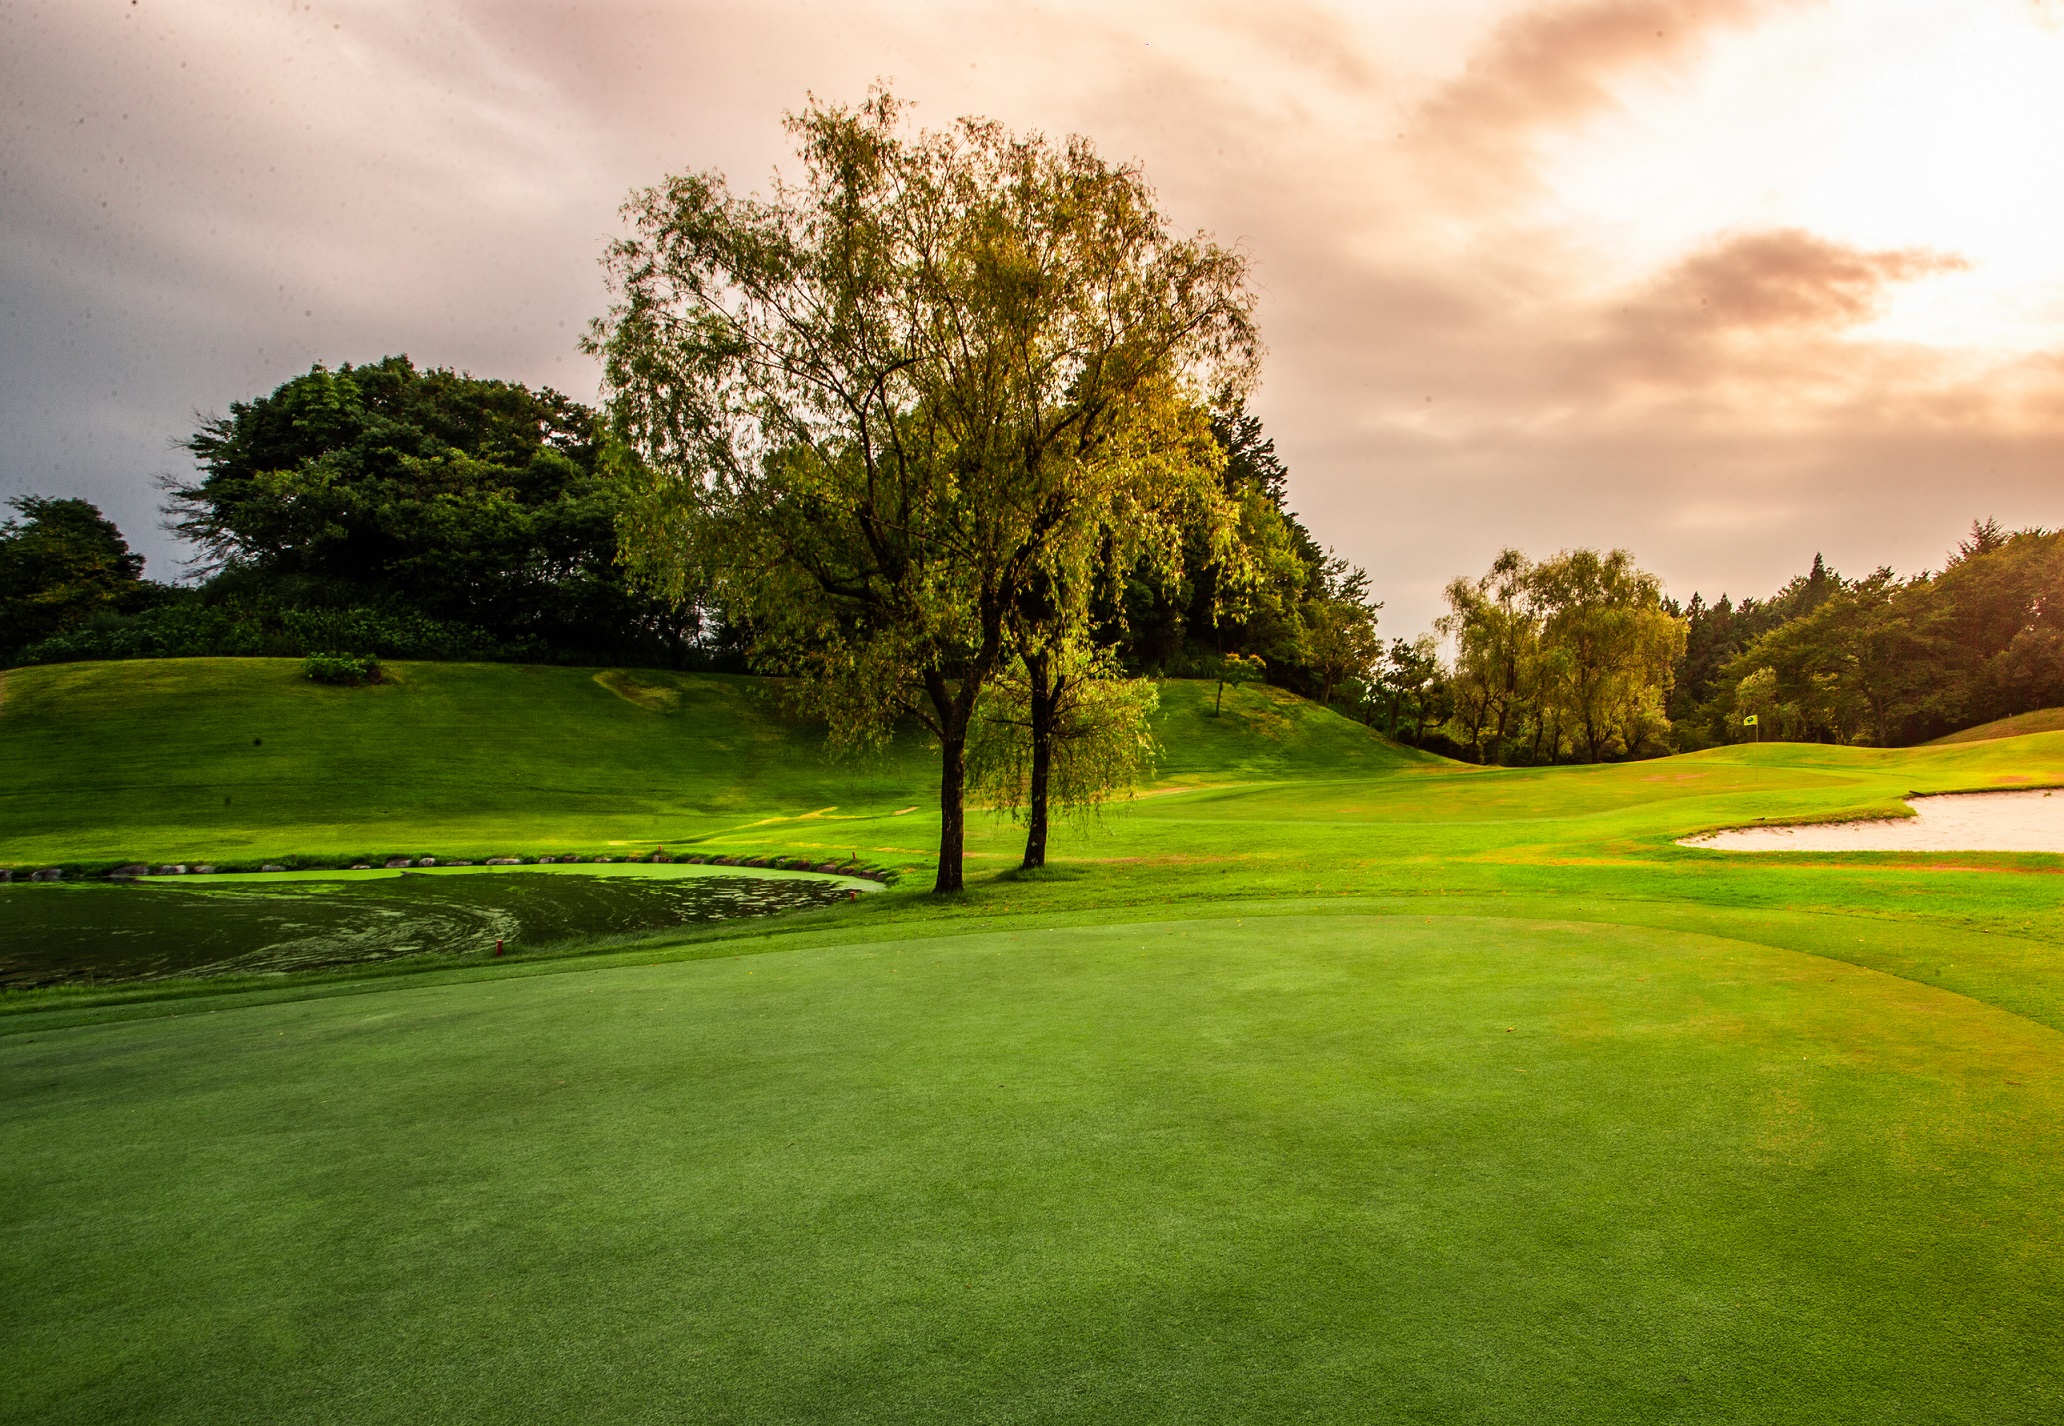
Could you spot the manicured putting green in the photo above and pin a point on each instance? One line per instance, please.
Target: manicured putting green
(1251, 1168)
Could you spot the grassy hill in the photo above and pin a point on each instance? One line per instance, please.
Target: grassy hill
(194, 758)
(2042, 720)
(1325, 1082)
(220, 759)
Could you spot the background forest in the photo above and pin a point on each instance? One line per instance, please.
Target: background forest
(391, 511)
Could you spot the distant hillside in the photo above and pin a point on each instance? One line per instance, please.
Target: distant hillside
(2042, 720)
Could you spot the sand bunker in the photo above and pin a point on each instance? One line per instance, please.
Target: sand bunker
(1956, 822)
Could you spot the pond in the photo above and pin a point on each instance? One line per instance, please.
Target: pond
(59, 932)
(2031, 821)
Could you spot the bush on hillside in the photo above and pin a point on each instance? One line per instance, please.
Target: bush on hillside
(345, 670)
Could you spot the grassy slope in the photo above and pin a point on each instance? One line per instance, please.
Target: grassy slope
(2042, 720)
(1343, 1084)
(220, 759)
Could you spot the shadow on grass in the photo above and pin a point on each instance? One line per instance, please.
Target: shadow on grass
(1043, 875)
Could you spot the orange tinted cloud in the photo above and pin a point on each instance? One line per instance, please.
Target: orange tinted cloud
(1786, 278)
(1762, 314)
(1555, 65)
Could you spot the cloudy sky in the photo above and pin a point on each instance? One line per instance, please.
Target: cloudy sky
(1725, 282)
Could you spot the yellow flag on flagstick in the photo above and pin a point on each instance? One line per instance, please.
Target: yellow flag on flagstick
(1749, 722)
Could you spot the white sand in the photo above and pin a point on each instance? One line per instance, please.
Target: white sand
(1956, 822)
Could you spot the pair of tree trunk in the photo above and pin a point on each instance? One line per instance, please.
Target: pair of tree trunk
(955, 714)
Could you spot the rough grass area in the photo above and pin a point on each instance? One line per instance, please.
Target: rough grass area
(1328, 1082)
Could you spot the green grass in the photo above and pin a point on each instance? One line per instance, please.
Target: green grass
(2042, 720)
(1327, 1082)
(228, 759)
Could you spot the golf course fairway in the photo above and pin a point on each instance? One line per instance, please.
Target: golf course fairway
(1326, 1081)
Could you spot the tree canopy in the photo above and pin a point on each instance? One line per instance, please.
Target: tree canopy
(1893, 661)
(474, 502)
(1567, 659)
(881, 408)
(1255, 584)
(61, 562)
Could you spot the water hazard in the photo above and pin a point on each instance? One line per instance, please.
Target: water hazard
(56, 933)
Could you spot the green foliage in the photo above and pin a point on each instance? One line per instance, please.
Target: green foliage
(1257, 582)
(1568, 659)
(346, 670)
(876, 410)
(1235, 669)
(189, 625)
(1715, 634)
(1890, 661)
(1409, 688)
(61, 564)
(1100, 735)
(428, 495)
(1339, 642)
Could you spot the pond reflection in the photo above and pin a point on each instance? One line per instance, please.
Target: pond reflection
(62, 932)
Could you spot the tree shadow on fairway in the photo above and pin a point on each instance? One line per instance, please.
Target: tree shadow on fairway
(1043, 875)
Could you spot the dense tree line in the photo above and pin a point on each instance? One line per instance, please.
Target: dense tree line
(1581, 658)
(376, 509)
(1883, 660)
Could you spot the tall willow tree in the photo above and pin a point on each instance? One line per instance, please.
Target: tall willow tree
(876, 407)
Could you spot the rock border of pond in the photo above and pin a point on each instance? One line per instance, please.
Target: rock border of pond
(388, 861)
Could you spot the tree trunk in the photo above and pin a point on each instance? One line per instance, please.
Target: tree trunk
(952, 814)
(954, 713)
(1044, 697)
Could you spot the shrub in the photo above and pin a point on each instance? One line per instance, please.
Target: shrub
(349, 670)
